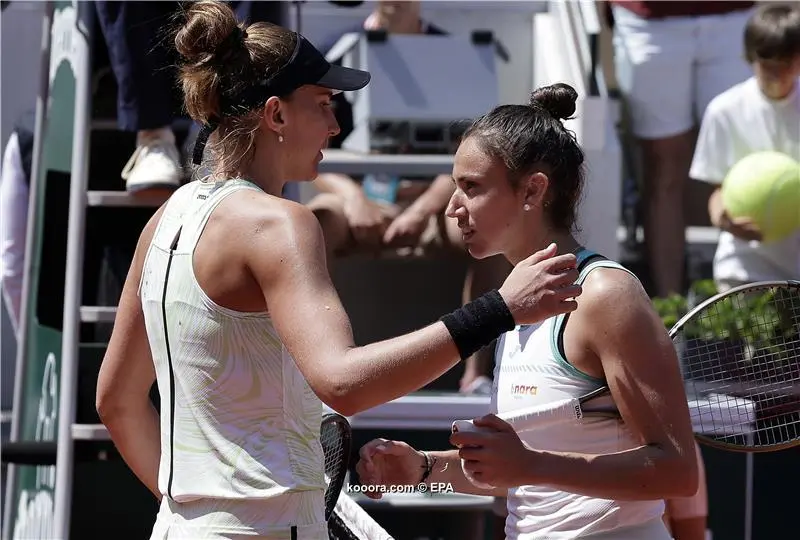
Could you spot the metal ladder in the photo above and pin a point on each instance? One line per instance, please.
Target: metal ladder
(39, 497)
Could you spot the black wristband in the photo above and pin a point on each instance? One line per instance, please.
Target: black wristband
(479, 322)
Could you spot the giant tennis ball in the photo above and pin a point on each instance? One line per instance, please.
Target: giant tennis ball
(765, 187)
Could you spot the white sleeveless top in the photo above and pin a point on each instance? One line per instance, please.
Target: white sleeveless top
(531, 370)
(239, 422)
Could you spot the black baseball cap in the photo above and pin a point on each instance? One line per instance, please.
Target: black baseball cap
(305, 66)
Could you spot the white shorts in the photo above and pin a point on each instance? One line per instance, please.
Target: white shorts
(670, 69)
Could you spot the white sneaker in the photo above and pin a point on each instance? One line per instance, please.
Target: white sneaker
(481, 386)
(155, 164)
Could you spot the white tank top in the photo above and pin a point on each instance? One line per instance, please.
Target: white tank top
(238, 419)
(532, 370)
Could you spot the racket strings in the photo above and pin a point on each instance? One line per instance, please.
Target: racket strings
(739, 358)
(334, 440)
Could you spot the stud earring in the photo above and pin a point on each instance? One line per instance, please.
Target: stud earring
(526, 207)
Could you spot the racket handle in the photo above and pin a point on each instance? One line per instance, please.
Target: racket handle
(534, 418)
(467, 425)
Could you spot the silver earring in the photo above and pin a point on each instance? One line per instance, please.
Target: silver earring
(280, 138)
(526, 207)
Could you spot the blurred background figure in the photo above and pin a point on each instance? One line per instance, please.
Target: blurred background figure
(759, 114)
(15, 180)
(671, 60)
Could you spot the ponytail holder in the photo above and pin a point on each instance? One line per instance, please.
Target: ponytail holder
(238, 34)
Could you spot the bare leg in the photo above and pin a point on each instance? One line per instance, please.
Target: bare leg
(666, 173)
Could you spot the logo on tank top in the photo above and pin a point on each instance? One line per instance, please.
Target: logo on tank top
(520, 390)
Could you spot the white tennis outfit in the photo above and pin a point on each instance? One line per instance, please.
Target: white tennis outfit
(240, 450)
(531, 370)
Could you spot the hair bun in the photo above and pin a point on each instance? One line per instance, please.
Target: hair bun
(209, 32)
(557, 99)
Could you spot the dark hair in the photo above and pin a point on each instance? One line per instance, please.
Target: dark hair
(773, 33)
(528, 137)
(220, 55)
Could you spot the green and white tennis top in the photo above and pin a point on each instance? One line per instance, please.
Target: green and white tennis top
(238, 419)
(531, 370)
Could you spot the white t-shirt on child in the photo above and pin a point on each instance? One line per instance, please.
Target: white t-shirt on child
(736, 123)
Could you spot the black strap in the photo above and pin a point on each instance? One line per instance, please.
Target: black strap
(202, 139)
(172, 248)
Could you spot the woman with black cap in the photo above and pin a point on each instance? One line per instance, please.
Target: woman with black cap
(228, 305)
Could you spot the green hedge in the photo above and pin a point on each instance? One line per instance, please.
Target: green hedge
(755, 318)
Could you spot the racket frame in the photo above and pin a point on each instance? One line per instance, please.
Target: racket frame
(574, 409)
(337, 481)
(690, 316)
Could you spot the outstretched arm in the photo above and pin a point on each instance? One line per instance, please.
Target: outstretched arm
(395, 463)
(288, 261)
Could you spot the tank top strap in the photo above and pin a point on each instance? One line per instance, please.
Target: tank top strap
(587, 262)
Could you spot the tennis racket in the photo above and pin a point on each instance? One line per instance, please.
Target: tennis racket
(351, 522)
(739, 353)
(346, 519)
(336, 439)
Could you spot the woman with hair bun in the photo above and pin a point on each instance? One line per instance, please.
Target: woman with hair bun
(518, 175)
(229, 307)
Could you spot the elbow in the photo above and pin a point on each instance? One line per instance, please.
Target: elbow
(344, 406)
(345, 397)
(108, 406)
(342, 400)
(104, 409)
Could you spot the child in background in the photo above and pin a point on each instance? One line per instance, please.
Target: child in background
(760, 114)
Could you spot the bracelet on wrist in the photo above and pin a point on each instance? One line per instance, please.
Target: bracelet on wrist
(427, 469)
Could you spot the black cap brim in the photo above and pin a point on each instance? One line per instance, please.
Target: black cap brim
(344, 79)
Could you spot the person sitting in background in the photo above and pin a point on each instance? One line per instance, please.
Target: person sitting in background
(356, 219)
(353, 220)
(762, 113)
